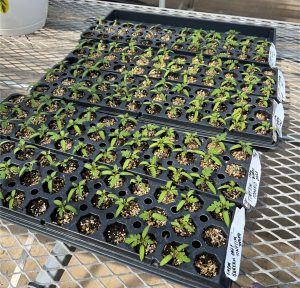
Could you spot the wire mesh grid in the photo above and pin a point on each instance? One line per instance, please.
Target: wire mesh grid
(271, 254)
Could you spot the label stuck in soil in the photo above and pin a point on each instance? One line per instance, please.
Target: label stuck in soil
(281, 87)
(277, 119)
(272, 56)
(235, 243)
(252, 186)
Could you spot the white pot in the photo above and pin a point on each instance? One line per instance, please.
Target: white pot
(23, 17)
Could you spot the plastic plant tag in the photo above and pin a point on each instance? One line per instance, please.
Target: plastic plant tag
(277, 119)
(235, 243)
(252, 186)
(272, 56)
(281, 87)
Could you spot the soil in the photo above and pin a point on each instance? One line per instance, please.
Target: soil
(207, 265)
(151, 248)
(129, 126)
(153, 110)
(268, 73)
(262, 116)
(192, 145)
(43, 161)
(116, 233)
(38, 120)
(52, 108)
(85, 114)
(89, 225)
(170, 198)
(201, 93)
(155, 73)
(178, 101)
(115, 102)
(6, 147)
(130, 210)
(133, 106)
(235, 170)
(90, 149)
(183, 232)
(109, 160)
(210, 163)
(51, 78)
(57, 185)
(142, 147)
(156, 223)
(7, 130)
(215, 146)
(30, 178)
(117, 185)
(37, 207)
(77, 198)
(185, 158)
(26, 154)
(71, 167)
(110, 77)
(58, 92)
(68, 81)
(108, 121)
(162, 154)
(132, 164)
(105, 205)
(67, 218)
(192, 207)
(20, 115)
(140, 94)
(214, 236)
(175, 115)
(240, 155)
(232, 194)
(159, 97)
(94, 136)
(77, 95)
(140, 189)
(24, 134)
(18, 199)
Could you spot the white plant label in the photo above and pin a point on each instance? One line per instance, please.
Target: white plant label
(272, 56)
(281, 87)
(252, 186)
(277, 119)
(235, 243)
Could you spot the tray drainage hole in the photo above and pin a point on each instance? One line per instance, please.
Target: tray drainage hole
(165, 234)
(34, 191)
(112, 130)
(97, 185)
(203, 218)
(226, 158)
(137, 224)
(102, 145)
(221, 176)
(251, 119)
(195, 169)
(109, 215)
(148, 201)
(122, 193)
(147, 156)
(11, 184)
(196, 244)
(7, 158)
(173, 209)
(83, 207)
(154, 263)
(166, 104)
(81, 139)
(49, 172)
(170, 162)
(43, 222)
(73, 178)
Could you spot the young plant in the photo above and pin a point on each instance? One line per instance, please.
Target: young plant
(244, 148)
(62, 139)
(97, 132)
(93, 170)
(78, 191)
(204, 181)
(167, 193)
(167, 133)
(50, 180)
(118, 137)
(153, 216)
(28, 166)
(8, 170)
(115, 176)
(106, 155)
(221, 209)
(83, 149)
(162, 146)
(217, 142)
(142, 241)
(63, 207)
(215, 119)
(178, 175)
(122, 203)
(187, 199)
(138, 142)
(149, 130)
(11, 199)
(263, 128)
(152, 167)
(177, 254)
(184, 226)
(23, 147)
(139, 186)
(191, 140)
(231, 189)
(131, 159)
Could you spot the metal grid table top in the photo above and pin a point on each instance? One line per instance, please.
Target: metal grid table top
(271, 254)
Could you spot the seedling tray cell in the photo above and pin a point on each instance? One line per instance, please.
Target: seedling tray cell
(134, 134)
(151, 30)
(91, 228)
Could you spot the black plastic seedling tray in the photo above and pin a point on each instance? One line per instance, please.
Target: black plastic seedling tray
(219, 177)
(144, 22)
(98, 242)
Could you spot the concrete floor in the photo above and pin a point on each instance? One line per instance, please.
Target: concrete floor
(283, 10)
